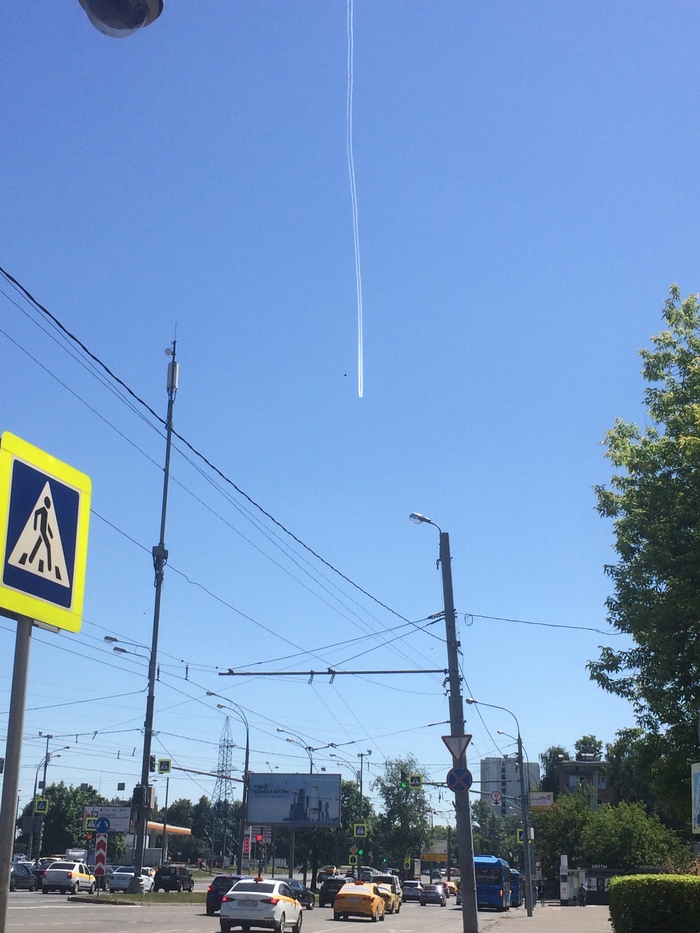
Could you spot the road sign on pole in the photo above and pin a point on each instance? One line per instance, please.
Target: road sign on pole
(165, 765)
(415, 781)
(456, 744)
(44, 520)
(360, 830)
(459, 779)
(100, 854)
(41, 805)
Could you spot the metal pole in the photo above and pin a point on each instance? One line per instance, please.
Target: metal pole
(160, 558)
(47, 758)
(526, 829)
(465, 842)
(13, 753)
(164, 847)
(31, 828)
(362, 806)
(244, 801)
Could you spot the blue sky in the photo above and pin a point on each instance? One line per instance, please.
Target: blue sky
(527, 192)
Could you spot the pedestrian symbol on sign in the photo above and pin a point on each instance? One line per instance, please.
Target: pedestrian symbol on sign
(39, 549)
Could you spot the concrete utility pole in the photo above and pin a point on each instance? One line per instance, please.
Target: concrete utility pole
(465, 842)
(142, 800)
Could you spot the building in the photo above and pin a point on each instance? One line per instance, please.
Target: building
(500, 783)
(588, 775)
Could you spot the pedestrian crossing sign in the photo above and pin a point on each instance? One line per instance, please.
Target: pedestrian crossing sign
(44, 519)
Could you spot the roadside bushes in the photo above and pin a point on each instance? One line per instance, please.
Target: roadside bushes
(650, 903)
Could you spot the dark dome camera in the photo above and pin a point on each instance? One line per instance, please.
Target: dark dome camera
(120, 18)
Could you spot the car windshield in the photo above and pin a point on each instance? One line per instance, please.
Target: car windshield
(124, 870)
(260, 887)
(70, 865)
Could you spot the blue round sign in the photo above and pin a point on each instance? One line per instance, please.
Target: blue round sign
(459, 779)
(102, 825)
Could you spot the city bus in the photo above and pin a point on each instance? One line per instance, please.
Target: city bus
(492, 882)
(515, 896)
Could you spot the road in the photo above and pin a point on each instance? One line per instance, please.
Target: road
(55, 914)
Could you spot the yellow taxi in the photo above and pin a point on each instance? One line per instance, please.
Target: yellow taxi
(392, 900)
(359, 899)
(450, 888)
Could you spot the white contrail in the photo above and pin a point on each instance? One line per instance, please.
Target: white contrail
(353, 195)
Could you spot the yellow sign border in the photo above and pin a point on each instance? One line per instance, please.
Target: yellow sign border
(13, 602)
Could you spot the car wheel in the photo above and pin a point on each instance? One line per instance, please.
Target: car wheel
(226, 926)
(44, 890)
(280, 924)
(12, 886)
(178, 887)
(91, 889)
(382, 916)
(297, 925)
(375, 917)
(74, 890)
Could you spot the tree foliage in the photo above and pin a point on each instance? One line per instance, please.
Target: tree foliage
(624, 836)
(653, 500)
(551, 760)
(494, 834)
(402, 828)
(588, 746)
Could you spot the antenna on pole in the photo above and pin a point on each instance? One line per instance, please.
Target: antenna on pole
(142, 801)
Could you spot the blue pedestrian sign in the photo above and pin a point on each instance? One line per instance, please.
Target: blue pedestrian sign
(459, 779)
(44, 519)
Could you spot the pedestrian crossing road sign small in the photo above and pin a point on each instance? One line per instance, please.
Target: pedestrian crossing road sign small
(165, 765)
(41, 805)
(44, 519)
(360, 830)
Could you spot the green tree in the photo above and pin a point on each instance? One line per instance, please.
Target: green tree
(551, 760)
(63, 822)
(653, 499)
(402, 827)
(588, 747)
(625, 836)
(559, 832)
(494, 834)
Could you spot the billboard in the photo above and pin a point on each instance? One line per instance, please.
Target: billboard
(541, 800)
(294, 799)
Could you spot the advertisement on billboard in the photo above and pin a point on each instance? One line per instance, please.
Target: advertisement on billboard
(294, 799)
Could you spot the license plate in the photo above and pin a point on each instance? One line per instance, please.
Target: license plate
(248, 903)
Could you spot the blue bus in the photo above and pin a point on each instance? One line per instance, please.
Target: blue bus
(492, 882)
(515, 898)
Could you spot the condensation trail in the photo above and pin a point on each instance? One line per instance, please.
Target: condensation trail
(353, 196)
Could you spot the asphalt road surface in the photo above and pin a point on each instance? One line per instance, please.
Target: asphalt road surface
(29, 912)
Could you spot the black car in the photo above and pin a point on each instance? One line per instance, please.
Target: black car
(329, 889)
(173, 878)
(433, 894)
(22, 878)
(220, 886)
(304, 895)
(39, 869)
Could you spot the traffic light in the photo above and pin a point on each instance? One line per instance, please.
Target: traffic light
(360, 851)
(152, 763)
(404, 779)
(258, 838)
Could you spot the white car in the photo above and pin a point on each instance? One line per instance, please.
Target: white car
(262, 902)
(121, 877)
(68, 878)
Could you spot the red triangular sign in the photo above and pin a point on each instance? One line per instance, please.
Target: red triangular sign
(457, 744)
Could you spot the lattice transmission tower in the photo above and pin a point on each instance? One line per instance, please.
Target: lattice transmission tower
(221, 798)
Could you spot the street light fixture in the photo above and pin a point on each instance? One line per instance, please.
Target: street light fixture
(297, 740)
(465, 841)
(527, 842)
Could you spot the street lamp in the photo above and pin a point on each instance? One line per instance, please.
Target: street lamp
(297, 740)
(244, 802)
(465, 841)
(44, 763)
(527, 843)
